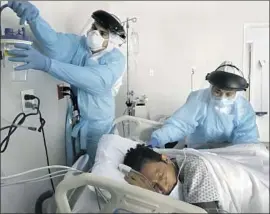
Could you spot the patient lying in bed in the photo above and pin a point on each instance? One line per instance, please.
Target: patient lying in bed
(234, 179)
(187, 173)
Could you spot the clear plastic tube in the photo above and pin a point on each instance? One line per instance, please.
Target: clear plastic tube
(16, 76)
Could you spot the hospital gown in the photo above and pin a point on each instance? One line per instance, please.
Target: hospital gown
(198, 186)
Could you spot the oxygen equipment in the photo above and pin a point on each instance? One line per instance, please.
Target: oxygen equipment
(8, 40)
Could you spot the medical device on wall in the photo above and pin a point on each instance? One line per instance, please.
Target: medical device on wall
(8, 40)
(136, 107)
(261, 112)
(261, 63)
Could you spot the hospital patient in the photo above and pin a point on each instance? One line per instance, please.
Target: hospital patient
(189, 174)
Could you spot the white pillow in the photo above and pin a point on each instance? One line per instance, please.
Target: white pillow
(111, 152)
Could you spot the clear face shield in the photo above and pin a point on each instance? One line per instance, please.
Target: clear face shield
(97, 38)
(223, 98)
(226, 84)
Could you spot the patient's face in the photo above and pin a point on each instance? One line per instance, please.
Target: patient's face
(161, 174)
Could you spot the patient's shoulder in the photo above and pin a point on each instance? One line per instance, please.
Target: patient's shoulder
(192, 162)
(198, 184)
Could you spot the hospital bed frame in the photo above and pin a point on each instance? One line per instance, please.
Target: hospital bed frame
(125, 196)
(139, 127)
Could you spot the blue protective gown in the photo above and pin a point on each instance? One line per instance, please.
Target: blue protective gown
(71, 62)
(201, 122)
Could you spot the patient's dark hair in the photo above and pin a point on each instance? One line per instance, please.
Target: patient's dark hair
(136, 158)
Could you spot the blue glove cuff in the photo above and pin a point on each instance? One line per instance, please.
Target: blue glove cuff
(154, 142)
(47, 65)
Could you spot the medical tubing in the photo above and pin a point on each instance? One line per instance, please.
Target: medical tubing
(98, 199)
(37, 178)
(32, 180)
(40, 177)
(19, 126)
(12, 129)
(102, 195)
(41, 129)
(3, 7)
(47, 157)
(39, 169)
(124, 169)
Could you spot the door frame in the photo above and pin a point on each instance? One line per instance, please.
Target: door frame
(244, 48)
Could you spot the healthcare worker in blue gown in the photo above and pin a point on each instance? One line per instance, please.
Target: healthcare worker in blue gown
(91, 64)
(212, 117)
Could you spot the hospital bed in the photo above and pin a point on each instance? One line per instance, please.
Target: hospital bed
(100, 192)
(85, 193)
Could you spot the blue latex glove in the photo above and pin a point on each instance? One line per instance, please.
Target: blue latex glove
(153, 143)
(24, 10)
(33, 58)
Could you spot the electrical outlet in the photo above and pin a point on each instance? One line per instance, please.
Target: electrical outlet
(33, 102)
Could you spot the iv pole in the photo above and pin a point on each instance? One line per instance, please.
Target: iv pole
(129, 93)
(129, 103)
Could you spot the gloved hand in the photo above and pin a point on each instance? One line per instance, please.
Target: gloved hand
(153, 143)
(32, 57)
(24, 10)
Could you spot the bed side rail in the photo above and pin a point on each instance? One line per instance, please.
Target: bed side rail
(137, 127)
(123, 196)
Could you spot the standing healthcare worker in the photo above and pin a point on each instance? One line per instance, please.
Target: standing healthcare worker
(217, 115)
(92, 64)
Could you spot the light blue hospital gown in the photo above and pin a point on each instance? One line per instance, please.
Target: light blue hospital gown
(198, 185)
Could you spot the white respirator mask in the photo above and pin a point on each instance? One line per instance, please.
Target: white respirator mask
(94, 40)
(222, 102)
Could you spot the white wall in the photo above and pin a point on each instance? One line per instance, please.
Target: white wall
(177, 35)
(26, 150)
(259, 84)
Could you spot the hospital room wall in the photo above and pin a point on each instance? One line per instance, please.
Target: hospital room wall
(26, 150)
(175, 36)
